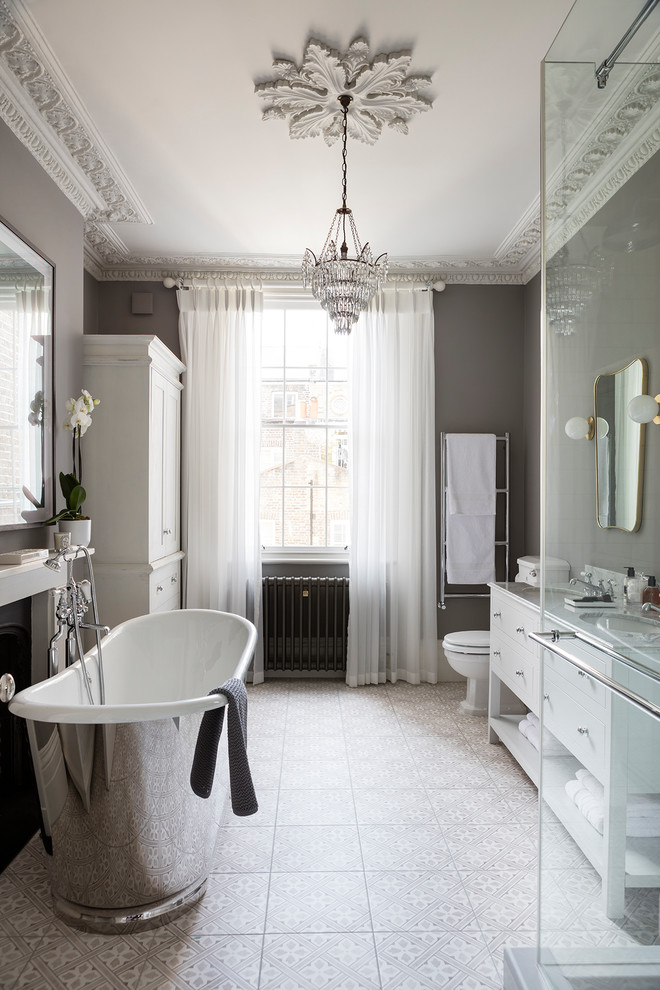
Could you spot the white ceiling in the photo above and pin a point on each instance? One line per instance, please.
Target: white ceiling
(166, 93)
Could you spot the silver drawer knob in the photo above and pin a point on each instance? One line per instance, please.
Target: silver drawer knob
(546, 697)
(520, 629)
(497, 653)
(7, 687)
(167, 532)
(497, 615)
(173, 579)
(582, 673)
(582, 729)
(520, 673)
(159, 587)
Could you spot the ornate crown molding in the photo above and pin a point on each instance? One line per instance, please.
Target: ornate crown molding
(307, 94)
(621, 139)
(40, 106)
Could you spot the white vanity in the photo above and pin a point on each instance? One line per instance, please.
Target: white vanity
(600, 732)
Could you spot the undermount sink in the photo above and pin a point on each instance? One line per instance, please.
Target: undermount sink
(623, 625)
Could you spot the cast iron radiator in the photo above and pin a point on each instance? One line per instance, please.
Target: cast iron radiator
(305, 623)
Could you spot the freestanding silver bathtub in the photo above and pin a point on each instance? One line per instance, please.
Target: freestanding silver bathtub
(132, 844)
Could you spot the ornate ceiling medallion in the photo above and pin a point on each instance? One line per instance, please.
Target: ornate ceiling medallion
(381, 91)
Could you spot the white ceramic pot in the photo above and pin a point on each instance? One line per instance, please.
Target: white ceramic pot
(80, 529)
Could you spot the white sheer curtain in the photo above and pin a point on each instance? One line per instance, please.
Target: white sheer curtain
(220, 334)
(392, 630)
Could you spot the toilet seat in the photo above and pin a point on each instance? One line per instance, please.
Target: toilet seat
(475, 641)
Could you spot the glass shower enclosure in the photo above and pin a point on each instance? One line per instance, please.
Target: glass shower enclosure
(599, 854)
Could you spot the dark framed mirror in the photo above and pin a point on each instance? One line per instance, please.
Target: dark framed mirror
(26, 383)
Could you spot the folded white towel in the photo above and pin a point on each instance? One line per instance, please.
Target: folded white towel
(524, 726)
(470, 549)
(471, 459)
(642, 813)
(534, 719)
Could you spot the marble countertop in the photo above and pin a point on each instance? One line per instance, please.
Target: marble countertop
(632, 634)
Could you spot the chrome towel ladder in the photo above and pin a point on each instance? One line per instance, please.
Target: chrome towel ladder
(502, 496)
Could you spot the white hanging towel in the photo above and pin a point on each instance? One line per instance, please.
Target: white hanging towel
(471, 506)
(471, 459)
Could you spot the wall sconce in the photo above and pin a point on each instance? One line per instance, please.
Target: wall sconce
(578, 428)
(645, 409)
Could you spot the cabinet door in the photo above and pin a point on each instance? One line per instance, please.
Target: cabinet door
(164, 468)
(171, 467)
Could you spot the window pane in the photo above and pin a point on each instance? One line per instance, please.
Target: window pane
(304, 455)
(338, 457)
(304, 517)
(304, 387)
(337, 402)
(270, 517)
(339, 528)
(311, 394)
(338, 345)
(306, 338)
(271, 455)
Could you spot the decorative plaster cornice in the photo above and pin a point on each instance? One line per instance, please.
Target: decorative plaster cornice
(40, 106)
(621, 140)
(307, 94)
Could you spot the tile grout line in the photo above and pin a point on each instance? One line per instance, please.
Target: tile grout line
(272, 848)
(444, 838)
(359, 838)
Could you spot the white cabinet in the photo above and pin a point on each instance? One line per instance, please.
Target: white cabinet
(132, 473)
(599, 731)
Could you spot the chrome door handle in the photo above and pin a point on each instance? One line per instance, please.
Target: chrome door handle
(7, 687)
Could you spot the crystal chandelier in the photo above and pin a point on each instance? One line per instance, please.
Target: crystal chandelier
(571, 287)
(343, 285)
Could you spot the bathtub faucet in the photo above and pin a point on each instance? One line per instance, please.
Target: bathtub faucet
(72, 607)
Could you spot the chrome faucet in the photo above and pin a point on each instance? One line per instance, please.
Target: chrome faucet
(597, 589)
(71, 610)
(650, 607)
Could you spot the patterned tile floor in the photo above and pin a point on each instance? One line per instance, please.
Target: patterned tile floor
(393, 848)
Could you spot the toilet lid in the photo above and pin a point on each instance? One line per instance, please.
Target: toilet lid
(472, 641)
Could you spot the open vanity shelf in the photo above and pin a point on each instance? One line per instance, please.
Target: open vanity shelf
(599, 731)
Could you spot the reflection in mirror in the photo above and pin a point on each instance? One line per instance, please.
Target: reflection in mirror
(619, 448)
(26, 299)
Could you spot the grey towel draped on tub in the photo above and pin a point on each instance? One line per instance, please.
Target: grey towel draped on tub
(243, 798)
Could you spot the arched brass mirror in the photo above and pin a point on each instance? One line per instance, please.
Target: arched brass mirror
(619, 448)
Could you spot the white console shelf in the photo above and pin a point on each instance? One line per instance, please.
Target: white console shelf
(599, 731)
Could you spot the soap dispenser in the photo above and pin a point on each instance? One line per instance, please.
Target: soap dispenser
(627, 582)
(651, 593)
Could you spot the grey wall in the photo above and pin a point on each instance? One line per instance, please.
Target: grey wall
(32, 204)
(479, 364)
(532, 413)
(108, 310)
(619, 324)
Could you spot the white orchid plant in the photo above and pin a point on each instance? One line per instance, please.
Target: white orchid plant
(78, 420)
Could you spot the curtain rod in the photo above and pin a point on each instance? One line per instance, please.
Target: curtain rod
(606, 66)
(275, 283)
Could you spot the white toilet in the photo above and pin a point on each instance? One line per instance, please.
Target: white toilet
(468, 653)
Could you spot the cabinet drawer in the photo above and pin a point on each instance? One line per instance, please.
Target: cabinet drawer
(589, 692)
(165, 584)
(517, 669)
(580, 730)
(515, 621)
